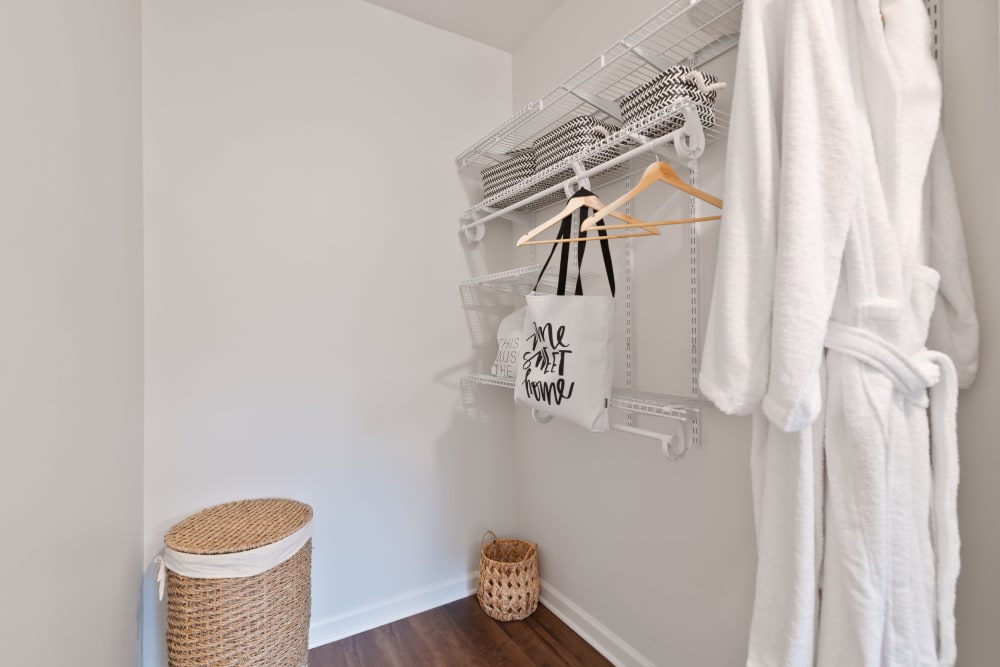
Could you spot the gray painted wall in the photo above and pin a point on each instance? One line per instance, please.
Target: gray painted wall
(71, 339)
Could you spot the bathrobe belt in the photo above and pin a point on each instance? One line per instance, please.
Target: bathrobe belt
(912, 376)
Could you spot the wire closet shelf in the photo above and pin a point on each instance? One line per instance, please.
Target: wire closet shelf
(685, 32)
(688, 32)
(518, 281)
(657, 405)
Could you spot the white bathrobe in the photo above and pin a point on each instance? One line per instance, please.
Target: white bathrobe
(839, 234)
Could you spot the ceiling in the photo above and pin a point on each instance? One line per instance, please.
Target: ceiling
(500, 23)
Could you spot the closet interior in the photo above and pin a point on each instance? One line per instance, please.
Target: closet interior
(214, 294)
(637, 140)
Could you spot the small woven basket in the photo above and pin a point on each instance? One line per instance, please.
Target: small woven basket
(508, 578)
(519, 167)
(578, 134)
(665, 90)
(257, 621)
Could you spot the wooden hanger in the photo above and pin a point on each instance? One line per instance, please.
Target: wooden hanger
(656, 172)
(644, 224)
(584, 198)
(645, 232)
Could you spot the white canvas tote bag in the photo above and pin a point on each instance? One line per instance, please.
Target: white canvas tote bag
(566, 355)
(508, 338)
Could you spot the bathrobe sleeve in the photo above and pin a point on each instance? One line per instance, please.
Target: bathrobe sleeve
(954, 327)
(737, 347)
(789, 200)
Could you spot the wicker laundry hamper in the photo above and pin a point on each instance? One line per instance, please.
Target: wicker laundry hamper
(240, 621)
(508, 578)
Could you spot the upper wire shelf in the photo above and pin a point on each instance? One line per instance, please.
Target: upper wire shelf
(689, 32)
(629, 142)
(683, 32)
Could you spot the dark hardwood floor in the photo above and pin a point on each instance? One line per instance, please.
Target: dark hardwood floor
(461, 635)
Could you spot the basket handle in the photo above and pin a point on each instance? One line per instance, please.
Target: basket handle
(488, 532)
(600, 129)
(699, 80)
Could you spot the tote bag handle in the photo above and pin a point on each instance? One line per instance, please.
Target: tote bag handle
(565, 232)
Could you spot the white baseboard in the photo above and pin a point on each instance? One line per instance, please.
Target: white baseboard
(333, 628)
(595, 633)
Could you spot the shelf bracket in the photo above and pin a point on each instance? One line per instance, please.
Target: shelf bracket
(712, 50)
(610, 108)
(581, 178)
(476, 230)
(496, 157)
(651, 57)
(691, 144)
(673, 445)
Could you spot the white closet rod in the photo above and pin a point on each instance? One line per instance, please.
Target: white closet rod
(672, 446)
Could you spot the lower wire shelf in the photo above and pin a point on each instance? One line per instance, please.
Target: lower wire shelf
(682, 408)
(520, 280)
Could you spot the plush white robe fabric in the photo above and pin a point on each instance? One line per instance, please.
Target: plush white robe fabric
(830, 242)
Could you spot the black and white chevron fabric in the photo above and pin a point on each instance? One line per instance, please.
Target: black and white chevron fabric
(579, 134)
(661, 92)
(522, 194)
(509, 173)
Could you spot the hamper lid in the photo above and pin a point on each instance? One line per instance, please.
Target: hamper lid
(238, 526)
